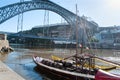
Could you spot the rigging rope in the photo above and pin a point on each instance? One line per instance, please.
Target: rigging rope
(20, 20)
(48, 23)
(20, 26)
(46, 30)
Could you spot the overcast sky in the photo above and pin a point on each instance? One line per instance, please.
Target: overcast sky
(104, 12)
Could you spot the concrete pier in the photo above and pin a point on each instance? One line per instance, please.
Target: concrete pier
(8, 74)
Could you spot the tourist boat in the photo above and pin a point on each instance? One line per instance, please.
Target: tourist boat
(67, 70)
(62, 70)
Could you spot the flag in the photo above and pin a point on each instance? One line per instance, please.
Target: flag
(80, 45)
(87, 48)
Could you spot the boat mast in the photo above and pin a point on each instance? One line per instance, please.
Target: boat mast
(76, 31)
(76, 36)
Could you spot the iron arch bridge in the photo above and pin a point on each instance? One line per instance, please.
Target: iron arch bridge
(12, 10)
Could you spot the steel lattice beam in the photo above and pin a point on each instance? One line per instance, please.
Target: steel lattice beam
(12, 10)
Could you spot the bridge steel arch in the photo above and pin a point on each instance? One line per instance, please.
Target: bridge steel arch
(12, 10)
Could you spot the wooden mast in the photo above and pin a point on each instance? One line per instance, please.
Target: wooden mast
(76, 37)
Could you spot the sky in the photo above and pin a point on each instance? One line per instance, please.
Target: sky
(104, 12)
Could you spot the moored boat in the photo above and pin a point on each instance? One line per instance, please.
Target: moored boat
(68, 70)
(103, 75)
(62, 71)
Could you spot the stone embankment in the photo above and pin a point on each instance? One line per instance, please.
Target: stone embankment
(4, 44)
(8, 74)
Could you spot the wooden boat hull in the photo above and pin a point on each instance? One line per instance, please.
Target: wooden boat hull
(102, 75)
(60, 74)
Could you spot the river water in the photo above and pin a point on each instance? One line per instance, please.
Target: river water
(21, 60)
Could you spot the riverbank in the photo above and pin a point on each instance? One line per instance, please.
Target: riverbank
(7, 73)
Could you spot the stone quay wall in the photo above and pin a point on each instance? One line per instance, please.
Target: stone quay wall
(4, 43)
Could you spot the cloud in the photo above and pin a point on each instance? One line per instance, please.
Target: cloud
(113, 4)
(104, 12)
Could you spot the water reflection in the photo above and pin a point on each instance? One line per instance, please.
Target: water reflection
(21, 60)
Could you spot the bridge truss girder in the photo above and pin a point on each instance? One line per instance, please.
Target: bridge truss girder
(12, 10)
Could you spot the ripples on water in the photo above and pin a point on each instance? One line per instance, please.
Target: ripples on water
(21, 60)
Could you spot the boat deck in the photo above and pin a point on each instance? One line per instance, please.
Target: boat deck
(66, 71)
(8, 74)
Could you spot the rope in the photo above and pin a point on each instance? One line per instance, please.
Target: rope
(20, 20)
(107, 61)
(20, 24)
